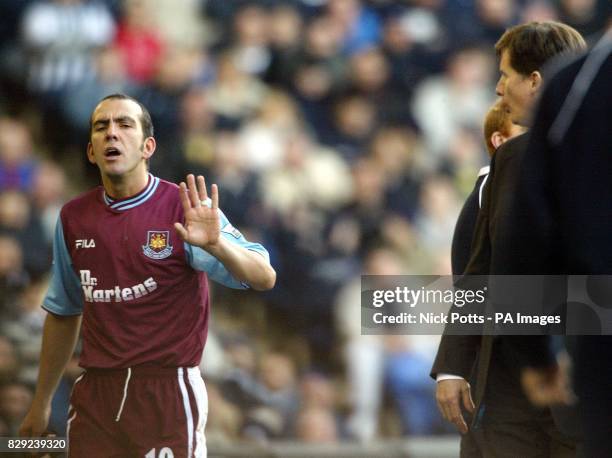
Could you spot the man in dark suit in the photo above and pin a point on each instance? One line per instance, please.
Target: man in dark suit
(498, 128)
(563, 225)
(504, 421)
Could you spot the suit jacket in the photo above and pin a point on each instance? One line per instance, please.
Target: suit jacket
(563, 215)
(470, 356)
(456, 354)
(492, 369)
(495, 374)
(461, 247)
(493, 221)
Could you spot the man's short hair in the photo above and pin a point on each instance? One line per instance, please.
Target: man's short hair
(497, 119)
(145, 117)
(532, 44)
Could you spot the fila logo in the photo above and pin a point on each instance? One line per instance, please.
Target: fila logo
(85, 243)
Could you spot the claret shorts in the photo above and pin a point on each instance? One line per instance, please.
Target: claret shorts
(144, 412)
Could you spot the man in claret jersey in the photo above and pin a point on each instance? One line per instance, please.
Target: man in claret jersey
(132, 260)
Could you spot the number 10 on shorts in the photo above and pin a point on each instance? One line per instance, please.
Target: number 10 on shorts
(163, 453)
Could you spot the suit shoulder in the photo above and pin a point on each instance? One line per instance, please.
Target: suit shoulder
(511, 148)
(563, 65)
(514, 144)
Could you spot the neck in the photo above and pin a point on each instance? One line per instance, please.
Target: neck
(120, 187)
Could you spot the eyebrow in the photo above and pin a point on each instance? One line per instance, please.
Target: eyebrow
(119, 119)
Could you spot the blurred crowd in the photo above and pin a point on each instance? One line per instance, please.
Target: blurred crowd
(343, 135)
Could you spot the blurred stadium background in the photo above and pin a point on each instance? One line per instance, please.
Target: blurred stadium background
(343, 134)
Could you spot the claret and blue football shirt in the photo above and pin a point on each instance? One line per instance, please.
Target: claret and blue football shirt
(143, 292)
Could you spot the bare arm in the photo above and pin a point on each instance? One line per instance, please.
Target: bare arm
(59, 339)
(202, 229)
(247, 266)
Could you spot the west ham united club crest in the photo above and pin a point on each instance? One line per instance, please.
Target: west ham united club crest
(158, 245)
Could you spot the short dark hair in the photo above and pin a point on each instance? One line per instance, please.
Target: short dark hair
(532, 44)
(145, 117)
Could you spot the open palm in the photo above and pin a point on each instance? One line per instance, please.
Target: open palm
(202, 223)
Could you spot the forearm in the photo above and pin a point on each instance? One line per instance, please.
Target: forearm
(245, 265)
(59, 340)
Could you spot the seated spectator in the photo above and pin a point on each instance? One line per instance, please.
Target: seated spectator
(81, 98)
(459, 98)
(25, 329)
(360, 26)
(407, 363)
(18, 219)
(17, 162)
(13, 277)
(15, 400)
(225, 419)
(316, 425)
(9, 361)
(138, 42)
(235, 94)
(49, 192)
(61, 36)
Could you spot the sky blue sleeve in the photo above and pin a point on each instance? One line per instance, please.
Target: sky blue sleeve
(64, 295)
(203, 261)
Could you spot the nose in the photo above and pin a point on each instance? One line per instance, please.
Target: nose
(111, 130)
(499, 88)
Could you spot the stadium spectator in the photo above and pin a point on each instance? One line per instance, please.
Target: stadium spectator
(235, 95)
(138, 42)
(61, 35)
(48, 193)
(250, 39)
(15, 397)
(359, 26)
(18, 219)
(17, 160)
(24, 328)
(316, 425)
(460, 97)
(9, 361)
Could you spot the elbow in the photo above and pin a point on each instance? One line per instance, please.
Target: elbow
(268, 280)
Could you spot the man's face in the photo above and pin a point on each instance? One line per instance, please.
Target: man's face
(117, 145)
(516, 90)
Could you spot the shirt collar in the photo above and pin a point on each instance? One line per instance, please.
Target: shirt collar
(134, 201)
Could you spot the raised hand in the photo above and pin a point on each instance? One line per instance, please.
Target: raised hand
(202, 224)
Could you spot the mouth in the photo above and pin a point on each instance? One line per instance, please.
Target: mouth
(111, 152)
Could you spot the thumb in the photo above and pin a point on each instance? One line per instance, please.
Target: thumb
(181, 230)
(466, 395)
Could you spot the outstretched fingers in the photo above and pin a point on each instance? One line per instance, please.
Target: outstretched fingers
(184, 196)
(202, 189)
(214, 195)
(193, 191)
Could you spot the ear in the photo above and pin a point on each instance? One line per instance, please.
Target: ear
(497, 138)
(90, 154)
(148, 147)
(535, 79)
